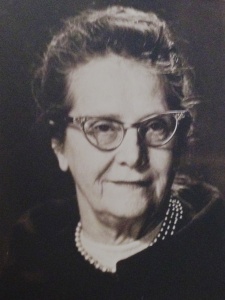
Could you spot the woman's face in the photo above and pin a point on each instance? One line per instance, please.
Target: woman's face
(112, 184)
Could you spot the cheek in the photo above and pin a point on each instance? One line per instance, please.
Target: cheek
(161, 162)
(161, 165)
(86, 163)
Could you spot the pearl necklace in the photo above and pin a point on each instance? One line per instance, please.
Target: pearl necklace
(174, 213)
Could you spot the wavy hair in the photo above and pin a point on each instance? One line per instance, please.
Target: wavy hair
(127, 32)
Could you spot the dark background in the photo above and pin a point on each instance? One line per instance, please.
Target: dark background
(28, 170)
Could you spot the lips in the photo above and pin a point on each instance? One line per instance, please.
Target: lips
(138, 183)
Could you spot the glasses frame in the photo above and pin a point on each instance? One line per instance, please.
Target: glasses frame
(81, 121)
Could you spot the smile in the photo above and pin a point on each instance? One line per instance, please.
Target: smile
(138, 183)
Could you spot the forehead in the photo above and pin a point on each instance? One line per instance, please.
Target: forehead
(113, 85)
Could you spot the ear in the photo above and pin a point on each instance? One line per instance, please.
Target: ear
(60, 154)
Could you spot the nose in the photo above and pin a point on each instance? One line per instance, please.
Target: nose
(132, 152)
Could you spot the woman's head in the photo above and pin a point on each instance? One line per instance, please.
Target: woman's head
(120, 67)
(125, 32)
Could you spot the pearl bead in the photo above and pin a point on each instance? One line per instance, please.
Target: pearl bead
(173, 214)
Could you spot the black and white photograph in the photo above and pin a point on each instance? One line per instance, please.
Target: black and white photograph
(112, 153)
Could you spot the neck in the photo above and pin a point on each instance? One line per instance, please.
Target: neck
(105, 257)
(107, 228)
(120, 233)
(111, 230)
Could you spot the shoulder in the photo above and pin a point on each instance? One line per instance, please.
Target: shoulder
(204, 210)
(49, 218)
(40, 226)
(37, 234)
(196, 194)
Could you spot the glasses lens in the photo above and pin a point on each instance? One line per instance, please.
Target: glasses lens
(104, 134)
(159, 130)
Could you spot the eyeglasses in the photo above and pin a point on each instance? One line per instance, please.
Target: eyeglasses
(107, 134)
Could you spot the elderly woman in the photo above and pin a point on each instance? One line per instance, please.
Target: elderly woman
(116, 95)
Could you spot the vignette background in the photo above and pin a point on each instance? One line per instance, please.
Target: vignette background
(28, 170)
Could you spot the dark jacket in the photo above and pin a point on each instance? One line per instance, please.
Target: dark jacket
(44, 262)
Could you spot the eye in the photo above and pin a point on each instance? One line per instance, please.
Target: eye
(103, 126)
(159, 129)
(103, 132)
(158, 125)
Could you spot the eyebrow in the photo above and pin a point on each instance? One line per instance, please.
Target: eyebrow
(103, 116)
(116, 117)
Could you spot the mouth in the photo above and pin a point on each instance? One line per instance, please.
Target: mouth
(138, 183)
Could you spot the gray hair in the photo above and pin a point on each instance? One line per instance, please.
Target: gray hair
(127, 32)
